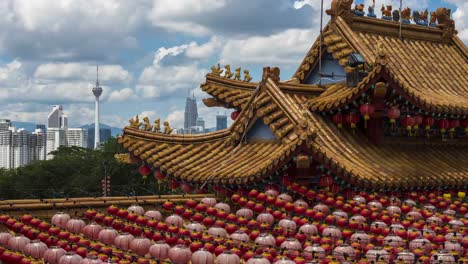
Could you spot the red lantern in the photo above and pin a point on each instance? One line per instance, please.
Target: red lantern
(144, 170)
(234, 115)
(408, 122)
(366, 110)
(352, 119)
(443, 125)
(338, 119)
(158, 175)
(428, 122)
(173, 184)
(453, 124)
(417, 121)
(393, 113)
(464, 124)
(186, 188)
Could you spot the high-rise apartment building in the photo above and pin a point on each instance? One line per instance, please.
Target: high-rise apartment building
(221, 122)
(59, 134)
(19, 148)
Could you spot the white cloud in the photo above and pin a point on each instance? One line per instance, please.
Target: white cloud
(175, 119)
(460, 16)
(177, 16)
(82, 71)
(284, 48)
(121, 95)
(160, 80)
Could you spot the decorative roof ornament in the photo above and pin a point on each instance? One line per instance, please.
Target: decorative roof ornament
(381, 57)
(445, 23)
(216, 70)
(135, 122)
(343, 9)
(123, 158)
(271, 72)
(247, 77)
(386, 12)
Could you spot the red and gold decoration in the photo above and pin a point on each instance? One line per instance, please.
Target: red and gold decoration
(338, 119)
(393, 113)
(366, 110)
(408, 122)
(352, 119)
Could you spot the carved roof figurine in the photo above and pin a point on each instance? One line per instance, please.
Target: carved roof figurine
(386, 12)
(371, 10)
(406, 16)
(341, 8)
(292, 127)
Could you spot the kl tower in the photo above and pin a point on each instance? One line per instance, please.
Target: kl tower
(97, 91)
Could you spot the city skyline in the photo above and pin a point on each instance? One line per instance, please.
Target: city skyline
(149, 63)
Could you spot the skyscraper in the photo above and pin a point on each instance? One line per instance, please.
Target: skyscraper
(221, 122)
(97, 91)
(191, 113)
(58, 133)
(57, 123)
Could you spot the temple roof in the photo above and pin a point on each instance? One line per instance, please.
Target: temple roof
(227, 157)
(425, 66)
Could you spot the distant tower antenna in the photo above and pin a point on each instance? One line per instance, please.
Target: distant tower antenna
(97, 91)
(320, 47)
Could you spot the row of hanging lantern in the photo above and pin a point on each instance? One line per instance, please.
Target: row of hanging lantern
(410, 122)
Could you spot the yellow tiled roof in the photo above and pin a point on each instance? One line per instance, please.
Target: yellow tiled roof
(431, 73)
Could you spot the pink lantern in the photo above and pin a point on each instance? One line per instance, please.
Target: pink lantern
(180, 254)
(361, 238)
(359, 219)
(415, 215)
(70, 258)
(314, 252)
(456, 225)
(291, 244)
(134, 208)
(35, 249)
(245, 212)
(265, 240)
(421, 243)
(287, 224)
(286, 261)
(285, 197)
(272, 192)
(453, 245)
(301, 202)
(202, 256)
(123, 241)
(53, 254)
(152, 214)
(91, 260)
(108, 235)
(209, 201)
(375, 205)
(175, 220)
(159, 251)
(406, 256)
(4, 237)
(321, 208)
(332, 232)
(393, 241)
(378, 254)
(392, 209)
(393, 113)
(92, 230)
(223, 206)
(344, 253)
(227, 257)
(258, 259)
(186, 187)
(240, 236)
(266, 218)
(218, 231)
(443, 257)
(18, 243)
(195, 226)
(308, 229)
(140, 245)
(60, 219)
(75, 225)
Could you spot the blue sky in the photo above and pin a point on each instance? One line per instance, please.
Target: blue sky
(151, 52)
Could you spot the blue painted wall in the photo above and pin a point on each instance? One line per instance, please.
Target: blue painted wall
(329, 66)
(260, 131)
